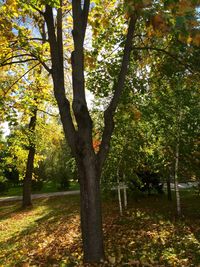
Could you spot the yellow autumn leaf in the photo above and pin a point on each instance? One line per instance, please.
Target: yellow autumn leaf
(112, 259)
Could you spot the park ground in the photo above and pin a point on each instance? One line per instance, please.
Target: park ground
(147, 234)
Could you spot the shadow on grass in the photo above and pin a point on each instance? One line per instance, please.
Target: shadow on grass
(150, 234)
(8, 209)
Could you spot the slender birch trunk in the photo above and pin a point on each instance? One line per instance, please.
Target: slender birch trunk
(177, 152)
(178, 203)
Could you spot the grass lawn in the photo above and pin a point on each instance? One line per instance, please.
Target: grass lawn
(148, 233)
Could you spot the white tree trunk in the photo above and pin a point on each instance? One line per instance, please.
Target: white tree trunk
(178, 203)
(125, 197)
(120, 200)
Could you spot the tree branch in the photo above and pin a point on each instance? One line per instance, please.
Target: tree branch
(20, 78)
(15, 56)
(77, 32)
(77, 59)
(165, 52)
(37, 9)
(34, 57)
(48, 15)
(85, 12)
(38, 39)
(58, 77)
(59, 35)
(45, 65)
(118, 88)
(13, 42)
(18, 62)
(48, 113)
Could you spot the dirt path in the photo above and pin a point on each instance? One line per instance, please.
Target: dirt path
(35, 196)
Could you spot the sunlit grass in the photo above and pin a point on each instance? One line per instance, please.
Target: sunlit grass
(26, 234)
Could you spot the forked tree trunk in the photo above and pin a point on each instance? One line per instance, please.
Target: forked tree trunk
(26, 200)
(80, 138)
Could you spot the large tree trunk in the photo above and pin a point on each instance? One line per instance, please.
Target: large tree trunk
(91, 219)
(26, 200)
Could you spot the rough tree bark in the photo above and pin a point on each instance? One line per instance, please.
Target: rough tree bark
(26, 200)
(80, 140)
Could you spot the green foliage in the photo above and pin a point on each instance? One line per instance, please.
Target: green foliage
(159, 25)
(3, 180)
(39, 4)
(3, 183)
(158, 86)
(57, 165)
